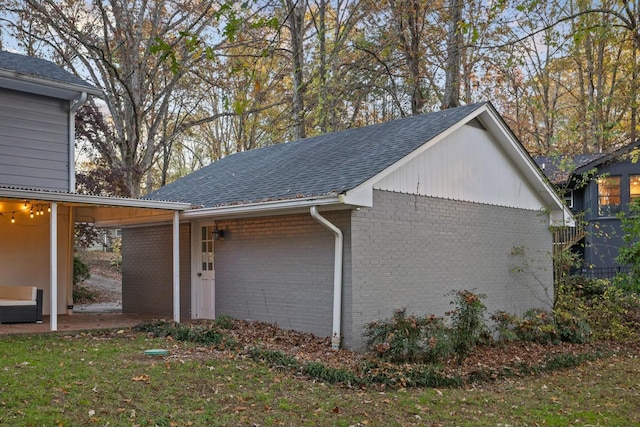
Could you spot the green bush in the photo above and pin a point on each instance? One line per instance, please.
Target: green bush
(505, 326)
(611, 312)
(571, 328)
(80, 271)
(537, 325)
(410, 338)
(197, 333)
(468, 322)
(81, 294)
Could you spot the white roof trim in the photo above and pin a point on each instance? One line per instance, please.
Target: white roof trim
(11, 193)
(276, 207)
(44, 86)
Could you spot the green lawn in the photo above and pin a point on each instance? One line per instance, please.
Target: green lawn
(105, 379)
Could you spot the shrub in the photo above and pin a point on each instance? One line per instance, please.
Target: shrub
(224, 322)
(537, 325)
(409, 338)
(80, 271)
(197, 333)
(571, 328)
(468, 322)
(505, 325)
(81, 294)
(116, 248)
(610, 312)
(582, 287)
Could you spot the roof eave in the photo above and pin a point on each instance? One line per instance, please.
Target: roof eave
(47, 87)
(605, 158)
(21, 194)
(276, 207)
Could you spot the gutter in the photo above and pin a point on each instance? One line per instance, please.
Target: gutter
(337, 277)
(85, 199)
(266, 208)
(72, 139)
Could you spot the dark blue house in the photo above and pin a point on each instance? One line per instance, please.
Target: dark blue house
(597, 188)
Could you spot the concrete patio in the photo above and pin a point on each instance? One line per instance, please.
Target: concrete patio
(75, 322)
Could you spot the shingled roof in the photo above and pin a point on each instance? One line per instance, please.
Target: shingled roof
(22, 65)
(324, 165)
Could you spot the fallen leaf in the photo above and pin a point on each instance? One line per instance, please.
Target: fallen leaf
(336, 410)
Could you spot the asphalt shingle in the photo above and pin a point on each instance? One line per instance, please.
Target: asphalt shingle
(323, 165)
(27, 65)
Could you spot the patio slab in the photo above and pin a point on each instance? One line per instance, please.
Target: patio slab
(76, 322)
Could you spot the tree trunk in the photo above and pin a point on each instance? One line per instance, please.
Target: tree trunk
(454, 52)
(296, 27)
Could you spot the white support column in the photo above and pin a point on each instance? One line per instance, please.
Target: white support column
(176, 266)
(53, 269)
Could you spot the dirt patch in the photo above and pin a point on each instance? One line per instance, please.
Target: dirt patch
(105, 281)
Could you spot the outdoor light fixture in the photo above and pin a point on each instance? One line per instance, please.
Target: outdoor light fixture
(218, 234)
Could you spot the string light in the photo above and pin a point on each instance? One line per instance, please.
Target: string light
(35, 209)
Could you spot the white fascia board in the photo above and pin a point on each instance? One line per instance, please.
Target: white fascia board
(362, 195)
(40, 86)
(279, 207)
(559, 213)
(45, 196)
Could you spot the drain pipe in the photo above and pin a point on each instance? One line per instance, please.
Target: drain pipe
(337, 277)
(72, 139)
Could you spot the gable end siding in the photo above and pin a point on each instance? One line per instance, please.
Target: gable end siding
(411, 251)
(467, 165)
(34, 141)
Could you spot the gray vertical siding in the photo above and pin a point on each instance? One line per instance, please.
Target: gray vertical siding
(147, 271)
(279, 270)
(410, 251)
(34, 141)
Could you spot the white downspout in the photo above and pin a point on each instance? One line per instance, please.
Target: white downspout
(72, 140)
(337, 277)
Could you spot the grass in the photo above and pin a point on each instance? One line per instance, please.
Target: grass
(103, 378)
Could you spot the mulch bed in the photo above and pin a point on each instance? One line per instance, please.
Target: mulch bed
(305, 348)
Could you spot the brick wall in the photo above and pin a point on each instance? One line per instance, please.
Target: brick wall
(147, 271)
(409, 251)
(279, 270)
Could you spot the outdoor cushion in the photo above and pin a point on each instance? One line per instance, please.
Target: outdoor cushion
(28, 293)
(11, 302)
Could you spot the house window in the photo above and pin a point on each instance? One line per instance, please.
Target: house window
(608, 196)
(634, 187)
(568, 198)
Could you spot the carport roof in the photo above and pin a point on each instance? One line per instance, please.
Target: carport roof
(100, 210)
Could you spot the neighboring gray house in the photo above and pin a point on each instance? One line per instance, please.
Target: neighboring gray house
(598, 187)
(38, 203)
(328, 233)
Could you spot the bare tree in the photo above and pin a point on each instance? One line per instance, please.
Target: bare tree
(114, 44)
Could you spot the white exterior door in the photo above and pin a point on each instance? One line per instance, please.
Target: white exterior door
(205, 289)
